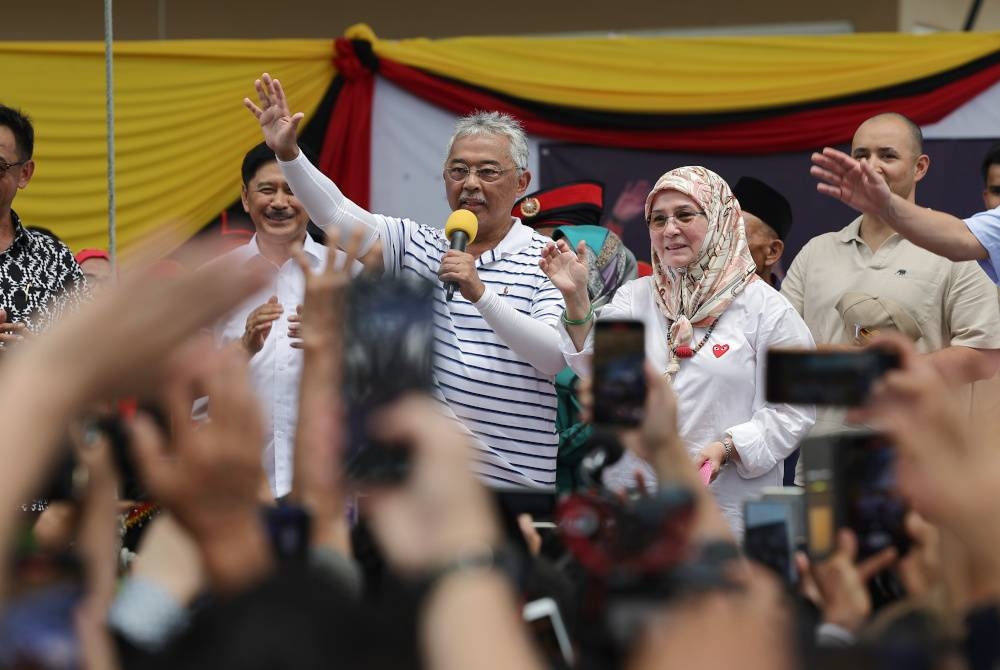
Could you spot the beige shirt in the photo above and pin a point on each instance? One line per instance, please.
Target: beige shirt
(955, 304)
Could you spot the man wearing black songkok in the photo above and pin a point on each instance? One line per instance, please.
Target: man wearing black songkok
(768, 218)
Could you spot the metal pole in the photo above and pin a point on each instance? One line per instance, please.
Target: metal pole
(970, 19)
(109, 98)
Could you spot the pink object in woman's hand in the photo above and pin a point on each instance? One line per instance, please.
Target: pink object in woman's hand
(705, 471)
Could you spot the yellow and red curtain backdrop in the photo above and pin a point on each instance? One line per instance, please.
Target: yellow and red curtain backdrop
(182, 130)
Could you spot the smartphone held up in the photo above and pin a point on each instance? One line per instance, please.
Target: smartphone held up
(827, 378)
(850, 482)
(389, 351)
(619, 378)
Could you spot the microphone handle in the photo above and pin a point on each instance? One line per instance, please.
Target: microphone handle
(459, 240)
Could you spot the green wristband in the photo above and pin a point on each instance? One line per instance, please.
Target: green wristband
(578, 322)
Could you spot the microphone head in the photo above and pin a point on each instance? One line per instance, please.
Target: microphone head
(464, 220)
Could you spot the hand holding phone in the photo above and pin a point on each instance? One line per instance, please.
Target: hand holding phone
(389, 351)
(850, 483)
(619, 378)
(833, 378)
(768, 537)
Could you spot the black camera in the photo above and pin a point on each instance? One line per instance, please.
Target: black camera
(634, 552)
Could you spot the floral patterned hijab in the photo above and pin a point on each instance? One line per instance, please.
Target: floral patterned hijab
(698, 294)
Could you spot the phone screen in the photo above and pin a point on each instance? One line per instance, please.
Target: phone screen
(872, 508)
(619, 380)
(768, 536)
(850, 483)
(834, 378)
(389, 350)
(794, 497)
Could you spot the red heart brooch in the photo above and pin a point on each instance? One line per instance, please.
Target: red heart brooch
(720, 349)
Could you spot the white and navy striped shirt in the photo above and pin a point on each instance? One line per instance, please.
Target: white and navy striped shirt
(507, 405)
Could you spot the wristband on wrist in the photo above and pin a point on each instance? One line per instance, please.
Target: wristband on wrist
(578, 322)
(727, 449)
(487, 558)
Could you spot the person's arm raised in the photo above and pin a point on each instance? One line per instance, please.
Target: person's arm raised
(317, 482)
(326, 205)
(209, 477)
(443, 522)
(567, 269)
(858, 185)
(948, 465)
(116, 345)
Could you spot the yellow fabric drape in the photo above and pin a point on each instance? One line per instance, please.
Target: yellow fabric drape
(685, 75)
(181, 129)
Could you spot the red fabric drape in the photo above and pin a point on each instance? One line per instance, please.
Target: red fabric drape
(346, 153)
(796, 131)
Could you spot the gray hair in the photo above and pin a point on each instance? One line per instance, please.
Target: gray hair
(495, 123)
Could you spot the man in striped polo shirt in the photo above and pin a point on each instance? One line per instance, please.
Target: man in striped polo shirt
(497, 347)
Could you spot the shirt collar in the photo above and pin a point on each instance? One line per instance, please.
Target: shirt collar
(852, 233)
(517, 238)
(315, 251)
(21, 236)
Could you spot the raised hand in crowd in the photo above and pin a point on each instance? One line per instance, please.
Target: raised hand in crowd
(209, 477)
(754, 619)
(319, 434)
(943, 465)
(657, 442)
(97, 544)
(948, 463)
(443, 522)
(838, 584)
(81, 359)
(920, 569)
(279, 125)
(441, 513)
(169, 557)
(855, 183)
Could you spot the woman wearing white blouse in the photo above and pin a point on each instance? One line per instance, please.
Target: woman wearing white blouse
(709, 323)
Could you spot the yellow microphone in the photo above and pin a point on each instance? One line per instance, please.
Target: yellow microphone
(460, 229)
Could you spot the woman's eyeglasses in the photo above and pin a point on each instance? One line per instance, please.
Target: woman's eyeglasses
(683, 219)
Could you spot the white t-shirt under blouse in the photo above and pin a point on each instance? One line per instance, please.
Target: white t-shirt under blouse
(721, 389)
